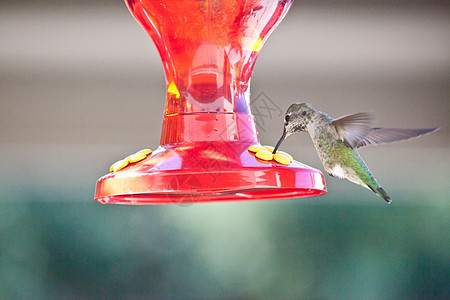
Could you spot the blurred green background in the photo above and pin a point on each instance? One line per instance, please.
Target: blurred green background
(81, 85)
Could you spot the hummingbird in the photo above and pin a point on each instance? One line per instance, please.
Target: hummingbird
(337, 141)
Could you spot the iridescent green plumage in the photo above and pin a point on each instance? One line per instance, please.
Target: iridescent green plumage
(337, 141)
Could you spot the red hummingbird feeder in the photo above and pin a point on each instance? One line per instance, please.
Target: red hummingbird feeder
(208, 49)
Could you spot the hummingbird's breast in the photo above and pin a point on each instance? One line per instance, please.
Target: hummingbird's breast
(337, 158)
(325, 138)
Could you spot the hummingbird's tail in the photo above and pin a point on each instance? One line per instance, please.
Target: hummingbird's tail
(382, 193)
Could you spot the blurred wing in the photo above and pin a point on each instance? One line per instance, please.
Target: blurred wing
(353, 129)
(389, 135)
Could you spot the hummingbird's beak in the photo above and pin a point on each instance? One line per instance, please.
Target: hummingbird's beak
(280, 141)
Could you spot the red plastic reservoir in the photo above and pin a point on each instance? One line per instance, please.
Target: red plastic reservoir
(208, 49)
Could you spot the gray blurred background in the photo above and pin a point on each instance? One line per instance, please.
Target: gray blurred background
(81, 86)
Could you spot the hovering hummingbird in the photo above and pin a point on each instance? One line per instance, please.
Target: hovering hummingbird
(337, 141)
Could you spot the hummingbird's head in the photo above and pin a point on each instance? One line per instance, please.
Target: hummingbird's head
(296, 119)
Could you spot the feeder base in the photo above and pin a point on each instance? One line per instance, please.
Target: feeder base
(207, 172)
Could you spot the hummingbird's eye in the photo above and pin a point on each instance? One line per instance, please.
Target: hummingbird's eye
(287, 117)
(304, 113)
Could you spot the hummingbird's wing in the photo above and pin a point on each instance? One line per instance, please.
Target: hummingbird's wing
(354, 128)
(389, 135)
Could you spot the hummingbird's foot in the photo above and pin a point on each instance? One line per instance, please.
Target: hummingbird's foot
(131, 159)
